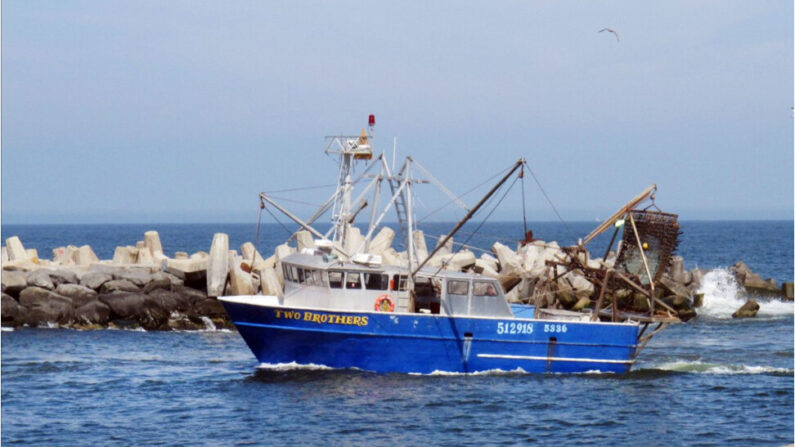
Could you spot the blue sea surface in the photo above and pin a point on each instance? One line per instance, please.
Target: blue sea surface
(711, 381)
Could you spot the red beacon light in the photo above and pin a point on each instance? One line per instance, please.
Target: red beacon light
(371, 120)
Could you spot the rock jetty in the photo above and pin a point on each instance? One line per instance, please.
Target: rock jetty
(143, 287)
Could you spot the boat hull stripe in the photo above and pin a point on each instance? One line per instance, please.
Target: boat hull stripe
(552, 359)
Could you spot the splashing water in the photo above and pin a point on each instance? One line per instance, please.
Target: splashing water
(723, 296)
(208, 324)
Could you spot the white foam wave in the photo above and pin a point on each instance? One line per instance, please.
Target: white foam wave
(699, 367)
(292, 366)
(723, 296)
(7, 329)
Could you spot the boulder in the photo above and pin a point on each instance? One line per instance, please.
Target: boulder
(33, 255)
(640, 302)
(698, 300)
(188, 270)
(46, 313)
(510, 263)
(152, 242)
(484, 268)
(145, 257)
(677, 270)
(490, 261)
(190, 295)
(40, 278)
(209, 307)
(94, 280)
(239, 281)
(92, 312)
(118, 285)
(673, 287)
(162, 283)
(63, 276)
(382, 240)
(390, 257)
(63, 255)
(183, 323)
(200, 255)
(152, 316)
(696, 278)
(136, 276)
(448, 246)
(566, 296)
(80, 295)
(12, 313)
(354, 241)
(169, 300)
(304, 240)
(123, 304)
(3, 254)
(16, 251)
(180, 255)
(270, 282)
(458, 261)
(788, 290)
(84, 256)
(758, 287)
(173, 279)
(33, 296)
(748, 310)
(581, 286)
(218, 265)
(250, 254)
(13, 282)
(125, 255)
(420, 247)
(535, 255)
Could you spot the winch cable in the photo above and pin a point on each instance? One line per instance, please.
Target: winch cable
(497, 205)
(524, 211)
(494, 208)
(464, 194)
(571, 233)
(279, 222)
(256, 233)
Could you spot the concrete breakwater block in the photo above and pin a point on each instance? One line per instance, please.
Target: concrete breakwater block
(152, 242)
(218, 265)
(16, 251)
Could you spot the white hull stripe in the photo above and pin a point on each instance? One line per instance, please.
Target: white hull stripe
(552, 359)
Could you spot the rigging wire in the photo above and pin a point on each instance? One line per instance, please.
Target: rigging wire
(524, 211)
(475, 231)
(256, 234)
(300, 189)
(464, 194)
(571, 233)
(280, 222)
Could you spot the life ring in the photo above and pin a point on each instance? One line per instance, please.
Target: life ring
(384, 303)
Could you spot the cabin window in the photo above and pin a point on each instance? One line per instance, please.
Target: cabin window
(353, 280)
(484, 288)
(401, 281)
(376, 281)
(317, 277)
(300, 275)
(335, 280)
(456, 287)
(287, 272)
(294, 273)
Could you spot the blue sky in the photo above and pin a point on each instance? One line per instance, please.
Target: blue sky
(182, 111)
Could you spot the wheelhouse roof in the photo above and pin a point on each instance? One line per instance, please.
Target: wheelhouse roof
(319, 262)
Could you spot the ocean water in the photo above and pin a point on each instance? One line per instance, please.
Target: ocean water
(711, 381)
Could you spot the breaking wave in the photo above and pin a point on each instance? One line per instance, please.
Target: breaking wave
(723, 296)
(699, 367)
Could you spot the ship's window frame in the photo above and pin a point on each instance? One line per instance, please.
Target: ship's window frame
(287, 271)
(481, 288)
(294, 274)
(358, 280)
(401, 282)
(376, 281)
(301, 276)
(335, 284)
(454, 286)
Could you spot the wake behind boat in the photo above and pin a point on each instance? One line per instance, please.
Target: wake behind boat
(343, 306)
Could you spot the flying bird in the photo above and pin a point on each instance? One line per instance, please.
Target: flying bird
(610, 30)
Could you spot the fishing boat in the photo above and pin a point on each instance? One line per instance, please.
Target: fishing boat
(344, 307)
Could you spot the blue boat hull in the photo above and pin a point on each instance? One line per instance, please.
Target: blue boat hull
(420, 343)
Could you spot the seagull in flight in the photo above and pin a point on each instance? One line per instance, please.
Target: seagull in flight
(610, 30)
